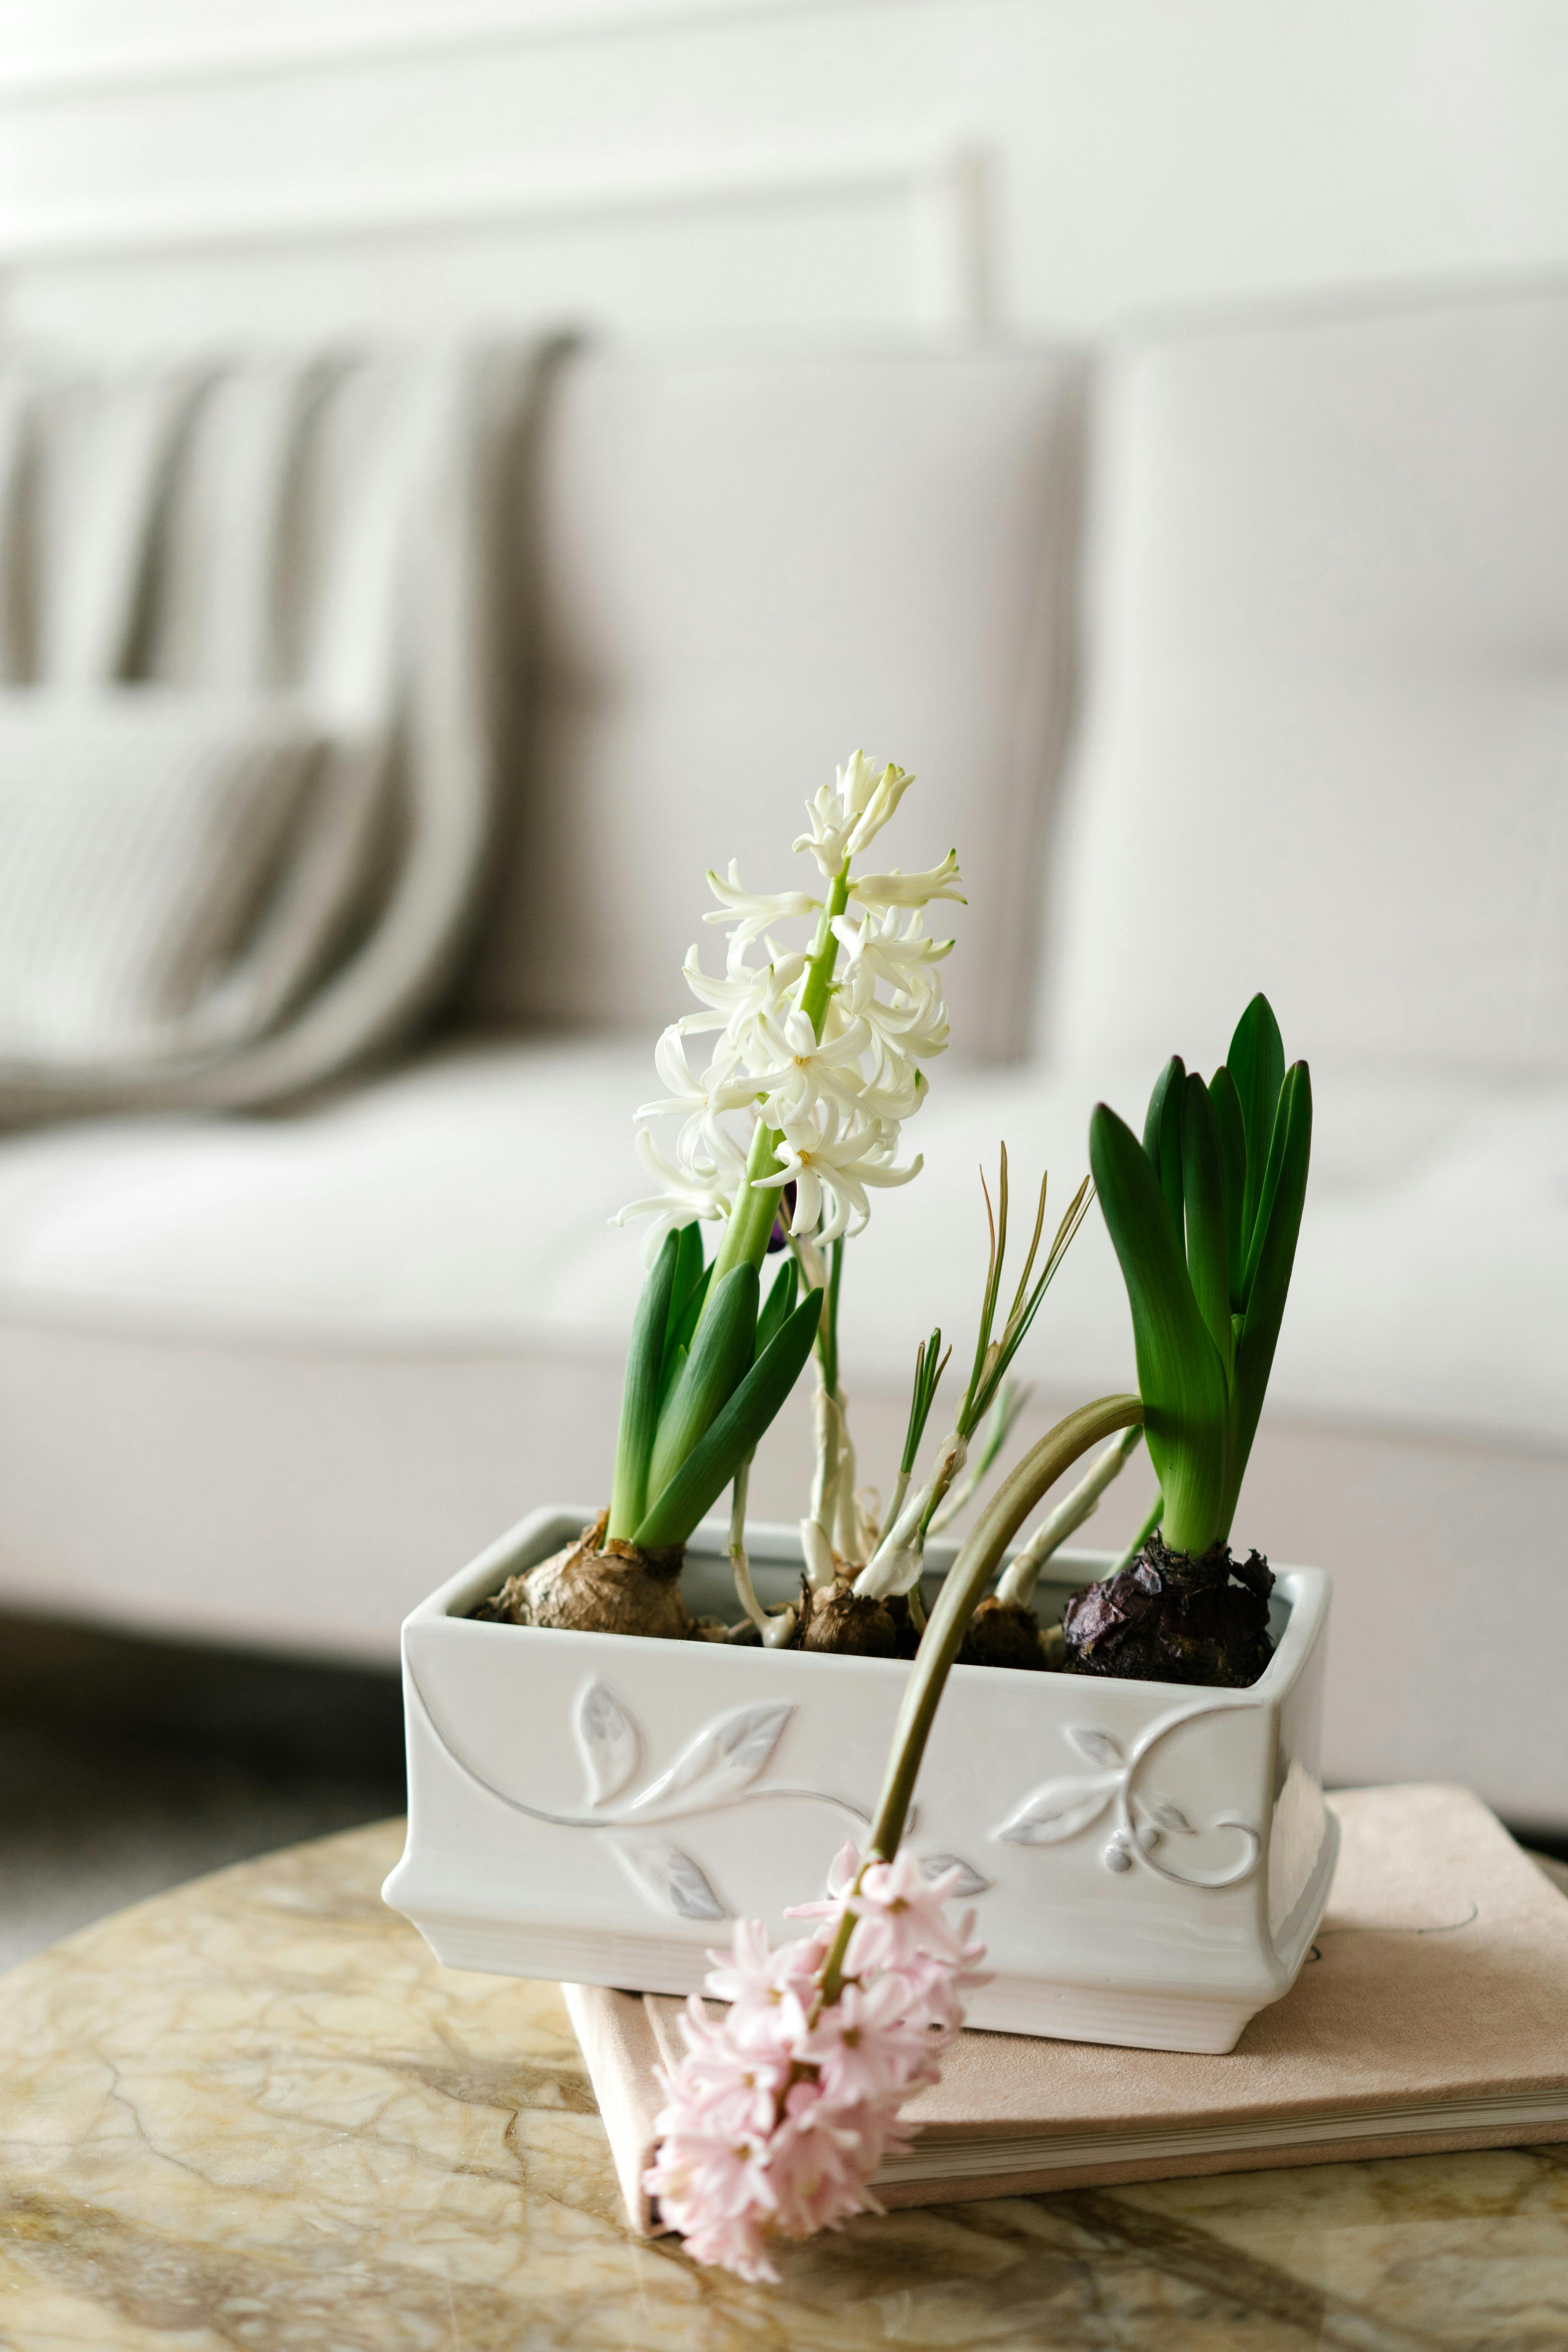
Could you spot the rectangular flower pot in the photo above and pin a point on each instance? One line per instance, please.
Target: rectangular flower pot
(1149, 1862)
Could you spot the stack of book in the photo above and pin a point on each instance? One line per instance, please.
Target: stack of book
(1433, 2014)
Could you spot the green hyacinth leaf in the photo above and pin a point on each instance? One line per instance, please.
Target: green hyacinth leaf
(1273, 1168)
(688, 1268)
(640, 1393)
(1226, 1104)
(674, 1365)
(692, 1281)
(1256, 1063)
(1181, 1375)
(734, 1434)
(779, 1306)
(1162, 1133)
(721, 1354)
(1202, 1179)
(1279, 1225)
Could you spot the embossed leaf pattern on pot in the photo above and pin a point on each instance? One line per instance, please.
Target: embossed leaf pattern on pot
(726, 1755)
(1096, 1747)
(969, 1882)
(1060, 1809)
(675, 1881)
(609, 1741)
(721, 1766)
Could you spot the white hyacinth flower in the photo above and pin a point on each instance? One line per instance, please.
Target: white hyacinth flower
(702, 1102)
(896, 889)
(912, 1027)
(686, 1194)
(888, 948)
(835, 1089)
(749, 912)
(798, 1072)
(847, 815)
(830, 1173)
(744, 993)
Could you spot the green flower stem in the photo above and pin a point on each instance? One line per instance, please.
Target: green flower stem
(746, 1240)
(964, 1586)
(818, 983)
(752, 1216)
(963, 1589)
(833, 1974)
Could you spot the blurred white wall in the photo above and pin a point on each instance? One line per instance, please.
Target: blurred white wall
(192, 168)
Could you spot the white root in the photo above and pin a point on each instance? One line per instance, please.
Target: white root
(817, 1531)
(777, 1630)
(746, 1592)
(901, 1489)
(900, 1559)
(846, 1528)
(1005, 1419)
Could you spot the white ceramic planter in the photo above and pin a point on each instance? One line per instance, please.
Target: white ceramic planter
(1149, 1862)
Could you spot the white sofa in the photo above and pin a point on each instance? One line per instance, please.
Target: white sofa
(272, 1379)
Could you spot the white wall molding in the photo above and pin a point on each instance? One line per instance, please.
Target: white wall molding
(137, 70)
(939, 179)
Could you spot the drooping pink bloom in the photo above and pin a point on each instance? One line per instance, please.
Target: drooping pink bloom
(862, 2045)
(756, 1980)
(786, 2105)
(900, 1913)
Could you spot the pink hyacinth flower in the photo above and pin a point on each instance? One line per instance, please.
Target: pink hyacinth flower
(786, 2105)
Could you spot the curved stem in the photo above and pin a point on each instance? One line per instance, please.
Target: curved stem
(965, 1582)
(1018, 1584)
(965, 1586)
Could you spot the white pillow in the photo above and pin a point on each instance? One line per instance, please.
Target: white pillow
(173, 869)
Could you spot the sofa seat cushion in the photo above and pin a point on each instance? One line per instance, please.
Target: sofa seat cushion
(463, 1204)
(271, 1381)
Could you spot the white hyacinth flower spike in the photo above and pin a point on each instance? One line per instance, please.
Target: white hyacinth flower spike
(816, 1038)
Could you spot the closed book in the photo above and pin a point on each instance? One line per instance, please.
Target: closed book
(1432, 2014)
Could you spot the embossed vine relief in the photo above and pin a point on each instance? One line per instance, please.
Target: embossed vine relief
(1143, 1819)
(724, 1762)
(722, 1765)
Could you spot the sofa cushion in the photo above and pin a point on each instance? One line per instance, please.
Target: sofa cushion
(340, 529)
(142, 835)
(747, 569)
(466, 1203)
(1328, 747)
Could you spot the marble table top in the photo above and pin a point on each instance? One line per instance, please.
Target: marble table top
(254, 2115)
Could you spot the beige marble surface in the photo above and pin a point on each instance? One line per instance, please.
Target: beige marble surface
(255, 2114)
